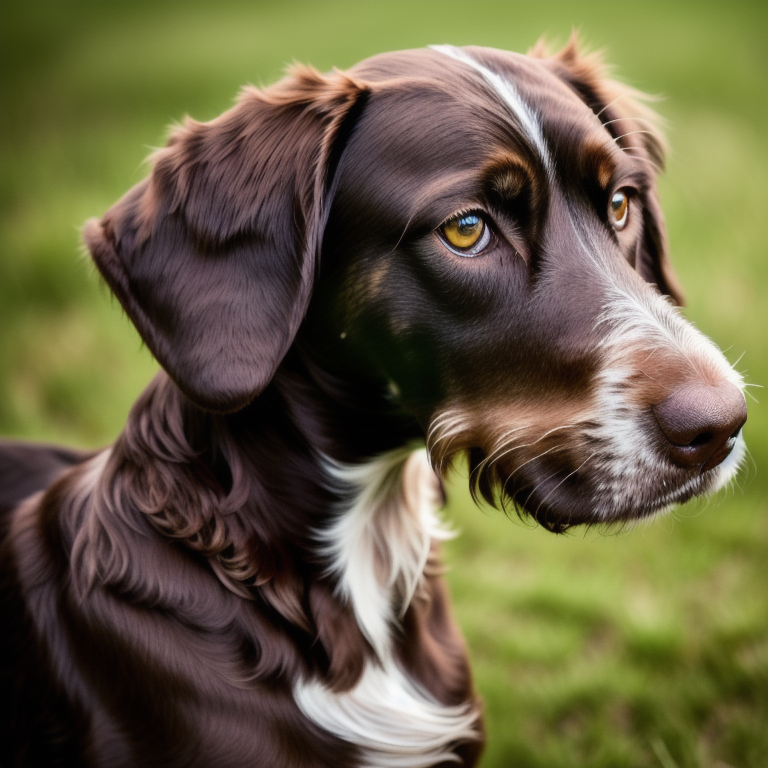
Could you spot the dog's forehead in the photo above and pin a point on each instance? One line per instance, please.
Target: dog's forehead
(523, 93)
(451, 66)
(443, 115)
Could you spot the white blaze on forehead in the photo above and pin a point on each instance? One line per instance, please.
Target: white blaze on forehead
(510, 96)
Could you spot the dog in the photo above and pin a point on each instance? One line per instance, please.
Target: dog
(457, 249)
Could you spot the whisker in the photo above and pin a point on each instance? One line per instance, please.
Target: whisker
(444, 428)
(494, 455)
(502, 440)
(591, 456)
(632, 148)
(509, 450)
(631, 133)
(610, 104)
(633, 119)
(752, 463)
(747, 386)
(652, 164)
(534, 458)
(739, 358)
(538, 439)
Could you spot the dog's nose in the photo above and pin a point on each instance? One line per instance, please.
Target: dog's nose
(701, 423)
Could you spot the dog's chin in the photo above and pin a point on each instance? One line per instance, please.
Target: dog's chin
(560, 499)
(580, 506)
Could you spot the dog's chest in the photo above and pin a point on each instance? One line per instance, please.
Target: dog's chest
(379, 547)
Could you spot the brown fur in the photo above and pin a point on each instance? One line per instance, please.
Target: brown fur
(163, 599)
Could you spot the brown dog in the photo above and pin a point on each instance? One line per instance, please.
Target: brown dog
(462, 247)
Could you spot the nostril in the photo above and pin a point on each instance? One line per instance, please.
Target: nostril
(701, 424)
(701, 439)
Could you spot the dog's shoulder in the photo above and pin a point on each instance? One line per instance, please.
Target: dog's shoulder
(26, 468)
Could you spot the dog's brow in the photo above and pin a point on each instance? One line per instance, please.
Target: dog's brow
(509, 175)
(511, 97)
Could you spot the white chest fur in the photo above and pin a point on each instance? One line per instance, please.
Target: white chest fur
(378, 548)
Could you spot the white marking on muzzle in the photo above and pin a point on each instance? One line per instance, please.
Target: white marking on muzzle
(636, 319)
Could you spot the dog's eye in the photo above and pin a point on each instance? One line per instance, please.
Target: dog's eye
(466, 235)
(618, 210)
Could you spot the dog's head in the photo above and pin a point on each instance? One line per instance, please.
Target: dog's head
(475, 237)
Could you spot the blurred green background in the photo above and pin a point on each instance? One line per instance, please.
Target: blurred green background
(628, 648)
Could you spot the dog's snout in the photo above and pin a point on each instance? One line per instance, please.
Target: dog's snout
(701, 423)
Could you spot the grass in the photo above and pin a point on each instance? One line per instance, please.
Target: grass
(644, 648)
(602, 649)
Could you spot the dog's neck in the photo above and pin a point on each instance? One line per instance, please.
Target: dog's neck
(347, 419)
(271, 500)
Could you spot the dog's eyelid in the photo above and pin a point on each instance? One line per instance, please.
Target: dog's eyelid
(468, 211)
(634, 179)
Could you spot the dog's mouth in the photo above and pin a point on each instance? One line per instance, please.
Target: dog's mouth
(556, 494)
(576, 475)
(560, 497)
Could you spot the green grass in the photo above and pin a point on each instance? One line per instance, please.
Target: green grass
(634, 648)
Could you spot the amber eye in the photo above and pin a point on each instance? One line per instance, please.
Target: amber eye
(466, 234)
(618, 210)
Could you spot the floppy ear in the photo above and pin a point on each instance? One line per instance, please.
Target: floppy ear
(214, 255)
(626, 116)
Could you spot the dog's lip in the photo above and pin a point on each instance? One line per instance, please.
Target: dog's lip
(572, 498)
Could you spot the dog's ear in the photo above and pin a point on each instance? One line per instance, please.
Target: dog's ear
(626, 116)
(214, 255)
